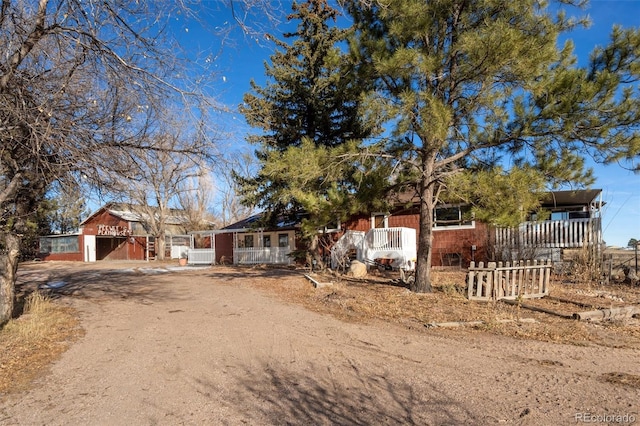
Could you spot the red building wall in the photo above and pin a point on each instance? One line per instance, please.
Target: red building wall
(115, 247)
(73, 257)
(224, 248)
(451, 247)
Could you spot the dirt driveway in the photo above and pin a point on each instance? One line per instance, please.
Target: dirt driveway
(201, 346)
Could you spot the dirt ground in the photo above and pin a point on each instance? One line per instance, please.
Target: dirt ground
(231, 346)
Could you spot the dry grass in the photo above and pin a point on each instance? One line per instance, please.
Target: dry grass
(378, 298)
(32, 341)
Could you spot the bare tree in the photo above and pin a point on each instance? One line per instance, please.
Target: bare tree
(152, 189)
(196, 197)
(229, 207)
(81, 87)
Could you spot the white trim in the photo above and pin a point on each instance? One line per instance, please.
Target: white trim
(472, 225)
(385, 222)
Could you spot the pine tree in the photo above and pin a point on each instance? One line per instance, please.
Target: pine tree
(310, 94)
(308, 107)
(469, 82)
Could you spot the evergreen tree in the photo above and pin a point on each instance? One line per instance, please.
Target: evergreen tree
(309, 102)
(310, 94)
(463, 83)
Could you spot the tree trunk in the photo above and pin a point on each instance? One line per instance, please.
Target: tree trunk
(317, 263)
(8, 269)
(160, 246)
(422, 282)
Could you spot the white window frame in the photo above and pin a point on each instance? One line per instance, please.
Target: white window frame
(437, 227)
(385, 221)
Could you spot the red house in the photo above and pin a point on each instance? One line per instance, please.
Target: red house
(458, 239)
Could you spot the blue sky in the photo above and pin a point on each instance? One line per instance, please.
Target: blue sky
(243, 60)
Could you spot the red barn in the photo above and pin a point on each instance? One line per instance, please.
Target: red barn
(113, 232)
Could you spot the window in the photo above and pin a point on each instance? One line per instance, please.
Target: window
(567, 215)
(379, 220)
(283, 240)
(248, 241)
(266, 241)
(67, 244)
(452, 259)
(452, 216)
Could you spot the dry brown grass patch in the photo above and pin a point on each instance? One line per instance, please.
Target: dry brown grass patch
(380, 298)
(30, 342)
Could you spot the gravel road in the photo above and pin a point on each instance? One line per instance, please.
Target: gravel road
(200, 346)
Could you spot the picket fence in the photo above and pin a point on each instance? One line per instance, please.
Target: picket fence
(509, 280)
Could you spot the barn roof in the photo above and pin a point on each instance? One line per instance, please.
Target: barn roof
(128, 214)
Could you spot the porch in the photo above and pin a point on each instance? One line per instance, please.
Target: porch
(569, 233)
(263, 247)
(203, 248)
(395, 244)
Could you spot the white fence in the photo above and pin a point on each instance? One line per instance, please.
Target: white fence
(571, 233)
(508, 281)
(201, 256)
(253, 256)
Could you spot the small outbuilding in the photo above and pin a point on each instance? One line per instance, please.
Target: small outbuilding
(113, 232)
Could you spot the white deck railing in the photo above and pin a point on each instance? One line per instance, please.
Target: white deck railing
(572, 233)
(201, 256)
(253, 256)
(397, 244)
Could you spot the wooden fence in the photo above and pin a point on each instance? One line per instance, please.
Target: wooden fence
(496, 281)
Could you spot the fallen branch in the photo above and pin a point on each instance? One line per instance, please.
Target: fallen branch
(608, 314)
(317, 284)
(453, 324)
(563, 300)
(536, 308)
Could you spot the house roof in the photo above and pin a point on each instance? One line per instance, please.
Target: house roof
(580, 197)
(126, 213)
(252, 223)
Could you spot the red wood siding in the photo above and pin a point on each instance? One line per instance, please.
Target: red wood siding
(448, 244)
(67, 257)
(224, 247)
(115, 247)
(358, 223)
(137, 248)
(103, 218)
